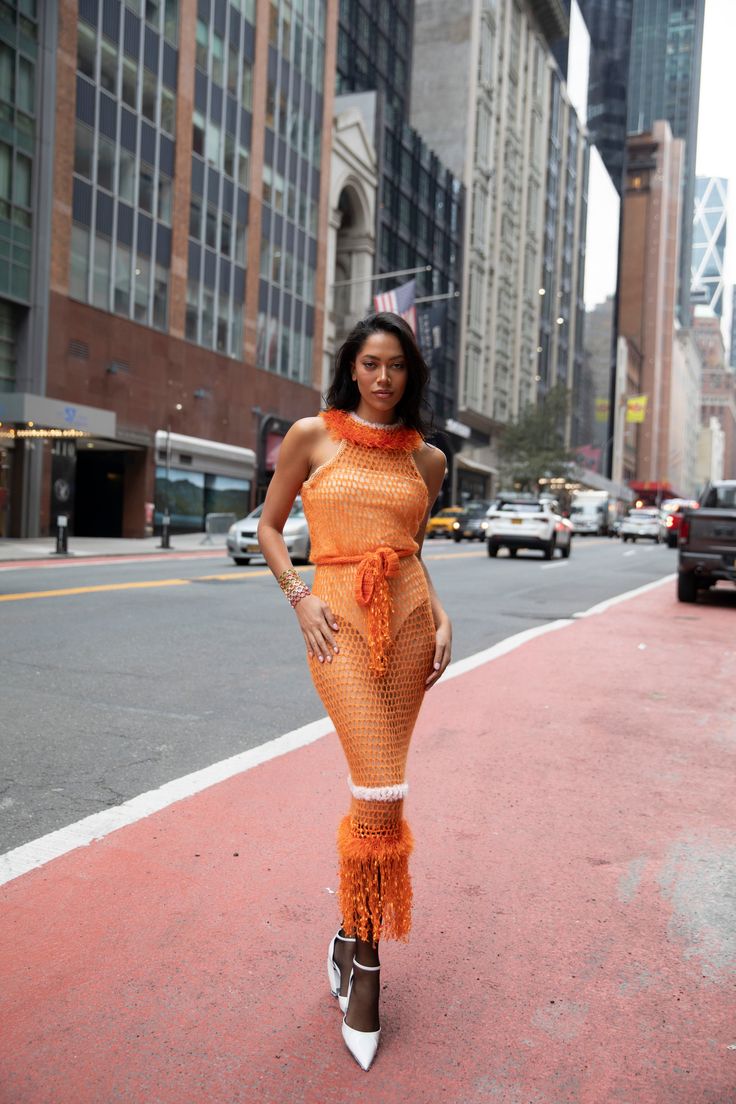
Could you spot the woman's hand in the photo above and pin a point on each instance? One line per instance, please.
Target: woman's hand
(317, 622)
(442, 652)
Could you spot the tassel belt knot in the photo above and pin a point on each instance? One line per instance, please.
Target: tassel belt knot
(372, 592)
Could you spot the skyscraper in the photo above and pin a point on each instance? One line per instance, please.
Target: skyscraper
(664, 83)
(609, 26)
(496, 106)
(172, 248)
(709, 242)
(648, 290)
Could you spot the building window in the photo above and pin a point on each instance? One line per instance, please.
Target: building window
(130, 83)
(168, 111)
(123, 260)
(164, 199)
(101, 274)
(79, 273)
(145, 188)
(105, 164)
(108, 67)
(142, 293)
(192, 311)
(198, 133)
(160, 296)
(86, 51)
(202, 46)
(126, 176)
(84, 141)
(195, 217)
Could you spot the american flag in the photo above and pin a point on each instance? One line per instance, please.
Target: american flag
(400, 300)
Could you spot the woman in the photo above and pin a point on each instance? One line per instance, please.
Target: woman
(376, 634)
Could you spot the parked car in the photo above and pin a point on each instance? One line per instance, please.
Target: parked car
(642, 523)
(242, 537)
(441, 524)
(472, 523)
(528, 523)
(708, 542)
(673, 510)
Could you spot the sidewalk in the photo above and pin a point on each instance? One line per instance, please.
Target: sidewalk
(575, 923)
(41, 548)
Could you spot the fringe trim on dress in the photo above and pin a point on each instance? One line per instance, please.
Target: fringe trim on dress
(343, 426)
(375, 893)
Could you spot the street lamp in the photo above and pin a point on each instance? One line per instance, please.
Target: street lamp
(166, 519)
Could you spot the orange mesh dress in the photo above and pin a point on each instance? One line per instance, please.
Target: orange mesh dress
(364, 506)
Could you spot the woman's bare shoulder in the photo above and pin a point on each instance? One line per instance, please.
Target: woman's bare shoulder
(431, 458)
(306, 433)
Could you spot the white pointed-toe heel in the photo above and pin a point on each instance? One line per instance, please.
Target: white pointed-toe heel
(363, 1045)
(333, 970)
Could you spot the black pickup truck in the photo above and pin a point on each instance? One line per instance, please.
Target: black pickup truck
(708, 542)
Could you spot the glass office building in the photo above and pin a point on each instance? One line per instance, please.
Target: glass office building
(664, 83)
(174, 225)
(710, 223)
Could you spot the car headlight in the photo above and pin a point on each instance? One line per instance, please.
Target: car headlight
(484, 525)
(456, 525)
(232, 530)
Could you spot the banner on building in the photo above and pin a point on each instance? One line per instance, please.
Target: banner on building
(431, 325)
(602, 406)
(636, 408)
(400, 300)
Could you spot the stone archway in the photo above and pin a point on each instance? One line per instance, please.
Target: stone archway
(352, 238)
(354, 251)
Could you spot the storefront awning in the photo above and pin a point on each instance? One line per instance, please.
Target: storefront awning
(474, 465)
(200, 454)
(22, 408)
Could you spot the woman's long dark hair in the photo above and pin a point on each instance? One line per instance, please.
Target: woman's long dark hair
(343, 392)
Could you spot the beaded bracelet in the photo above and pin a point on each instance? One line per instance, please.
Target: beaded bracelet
(293, 586)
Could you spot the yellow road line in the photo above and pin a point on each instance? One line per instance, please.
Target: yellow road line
(147, 584)
(92, 589)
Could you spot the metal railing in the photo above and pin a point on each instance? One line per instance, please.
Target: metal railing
(217, 525)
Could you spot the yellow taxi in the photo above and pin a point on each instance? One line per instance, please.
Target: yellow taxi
(441, 524)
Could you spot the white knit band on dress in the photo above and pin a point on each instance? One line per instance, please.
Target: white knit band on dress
(379, 793)
(375, 425)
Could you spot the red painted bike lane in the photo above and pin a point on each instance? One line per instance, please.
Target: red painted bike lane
(574, 938)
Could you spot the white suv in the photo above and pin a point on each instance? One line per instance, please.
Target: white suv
(642, 524)
(528, 523)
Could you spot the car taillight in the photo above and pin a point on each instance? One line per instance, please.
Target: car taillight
(684, 529)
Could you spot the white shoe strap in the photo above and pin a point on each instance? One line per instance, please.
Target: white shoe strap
(362, 967)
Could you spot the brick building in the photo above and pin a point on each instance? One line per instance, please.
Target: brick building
(648, 291)
(164, 324)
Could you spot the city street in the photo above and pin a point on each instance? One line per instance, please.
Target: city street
(120, 675)
(571, 797)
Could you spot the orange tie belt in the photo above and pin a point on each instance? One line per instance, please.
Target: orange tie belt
(372, 592)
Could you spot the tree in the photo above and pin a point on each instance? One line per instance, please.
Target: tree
(534, 446)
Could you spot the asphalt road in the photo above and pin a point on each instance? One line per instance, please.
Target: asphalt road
(133, 673)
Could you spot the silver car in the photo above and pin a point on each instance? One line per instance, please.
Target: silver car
(242, 537)
(643, 523)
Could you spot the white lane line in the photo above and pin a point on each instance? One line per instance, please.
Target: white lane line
(560, 563)
(631, 552)
(601, 607)
(38, 852)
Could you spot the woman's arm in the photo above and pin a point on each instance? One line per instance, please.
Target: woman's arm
(316, 619)
(433, 467)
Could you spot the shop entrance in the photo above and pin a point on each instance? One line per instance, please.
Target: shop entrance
(100, 484)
